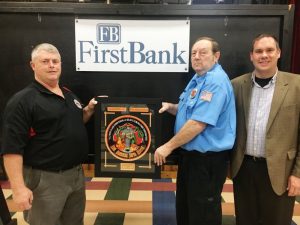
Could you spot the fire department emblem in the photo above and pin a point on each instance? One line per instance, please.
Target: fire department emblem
(127, 138)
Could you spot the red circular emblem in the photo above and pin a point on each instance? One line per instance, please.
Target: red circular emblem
(193, 93)
(127, 138)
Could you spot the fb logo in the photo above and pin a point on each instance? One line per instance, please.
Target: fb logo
(109, 33)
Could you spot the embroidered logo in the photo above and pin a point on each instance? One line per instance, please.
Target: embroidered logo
(127, 138)
(77, 103)
(206, 96)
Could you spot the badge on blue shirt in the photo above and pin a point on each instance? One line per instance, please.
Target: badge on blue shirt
(193, 93)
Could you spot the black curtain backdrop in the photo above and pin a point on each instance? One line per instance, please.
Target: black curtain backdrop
(296, 42)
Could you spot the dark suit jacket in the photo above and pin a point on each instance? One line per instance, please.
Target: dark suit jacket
(283, 128)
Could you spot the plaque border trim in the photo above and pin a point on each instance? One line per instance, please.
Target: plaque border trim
(156, 104)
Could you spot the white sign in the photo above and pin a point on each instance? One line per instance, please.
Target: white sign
(132, 45)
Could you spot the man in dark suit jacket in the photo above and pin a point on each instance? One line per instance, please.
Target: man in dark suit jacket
(265, 165)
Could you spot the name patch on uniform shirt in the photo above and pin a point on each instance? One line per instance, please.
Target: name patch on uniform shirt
(77, 103)
(206, 96)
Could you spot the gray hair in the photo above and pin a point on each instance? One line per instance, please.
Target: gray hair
(43, 47)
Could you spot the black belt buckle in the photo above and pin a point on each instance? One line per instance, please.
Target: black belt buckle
(255, 158)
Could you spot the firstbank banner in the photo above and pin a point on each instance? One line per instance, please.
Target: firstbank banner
(132, 45)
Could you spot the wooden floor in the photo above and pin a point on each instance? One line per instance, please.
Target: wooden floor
(124, 206)
(142, 202)
(168, 171)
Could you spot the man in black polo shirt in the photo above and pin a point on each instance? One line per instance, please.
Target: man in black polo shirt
(44, 143)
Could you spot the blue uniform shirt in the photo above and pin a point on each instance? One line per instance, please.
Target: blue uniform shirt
(209, 98)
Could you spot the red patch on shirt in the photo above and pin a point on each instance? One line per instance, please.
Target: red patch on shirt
(32, 132)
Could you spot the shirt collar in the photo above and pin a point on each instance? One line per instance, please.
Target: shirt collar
(272, 81)
(41, 87)
(200, 78)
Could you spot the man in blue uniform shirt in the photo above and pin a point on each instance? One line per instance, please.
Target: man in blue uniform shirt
(205, 130)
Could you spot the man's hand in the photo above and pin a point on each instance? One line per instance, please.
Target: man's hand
(165, 106)
(23, 198)
(92, 103)
(89, 110)
(161, 154)
(293, 186)
(168, 107)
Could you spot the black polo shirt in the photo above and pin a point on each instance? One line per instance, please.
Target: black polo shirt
(45, 128)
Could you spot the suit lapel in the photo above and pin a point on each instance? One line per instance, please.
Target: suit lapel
(281, 88)
(246, 89)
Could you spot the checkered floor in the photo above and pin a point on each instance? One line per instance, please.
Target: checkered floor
(155, 202)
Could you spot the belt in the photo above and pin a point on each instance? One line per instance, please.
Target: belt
(203, 154)
(54, 170)
(254, 158)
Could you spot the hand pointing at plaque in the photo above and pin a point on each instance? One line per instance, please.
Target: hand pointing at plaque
(168, 107)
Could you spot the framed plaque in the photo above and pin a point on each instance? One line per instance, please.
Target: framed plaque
(127, 134)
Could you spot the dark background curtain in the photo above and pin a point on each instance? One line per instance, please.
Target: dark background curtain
(296, 43)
